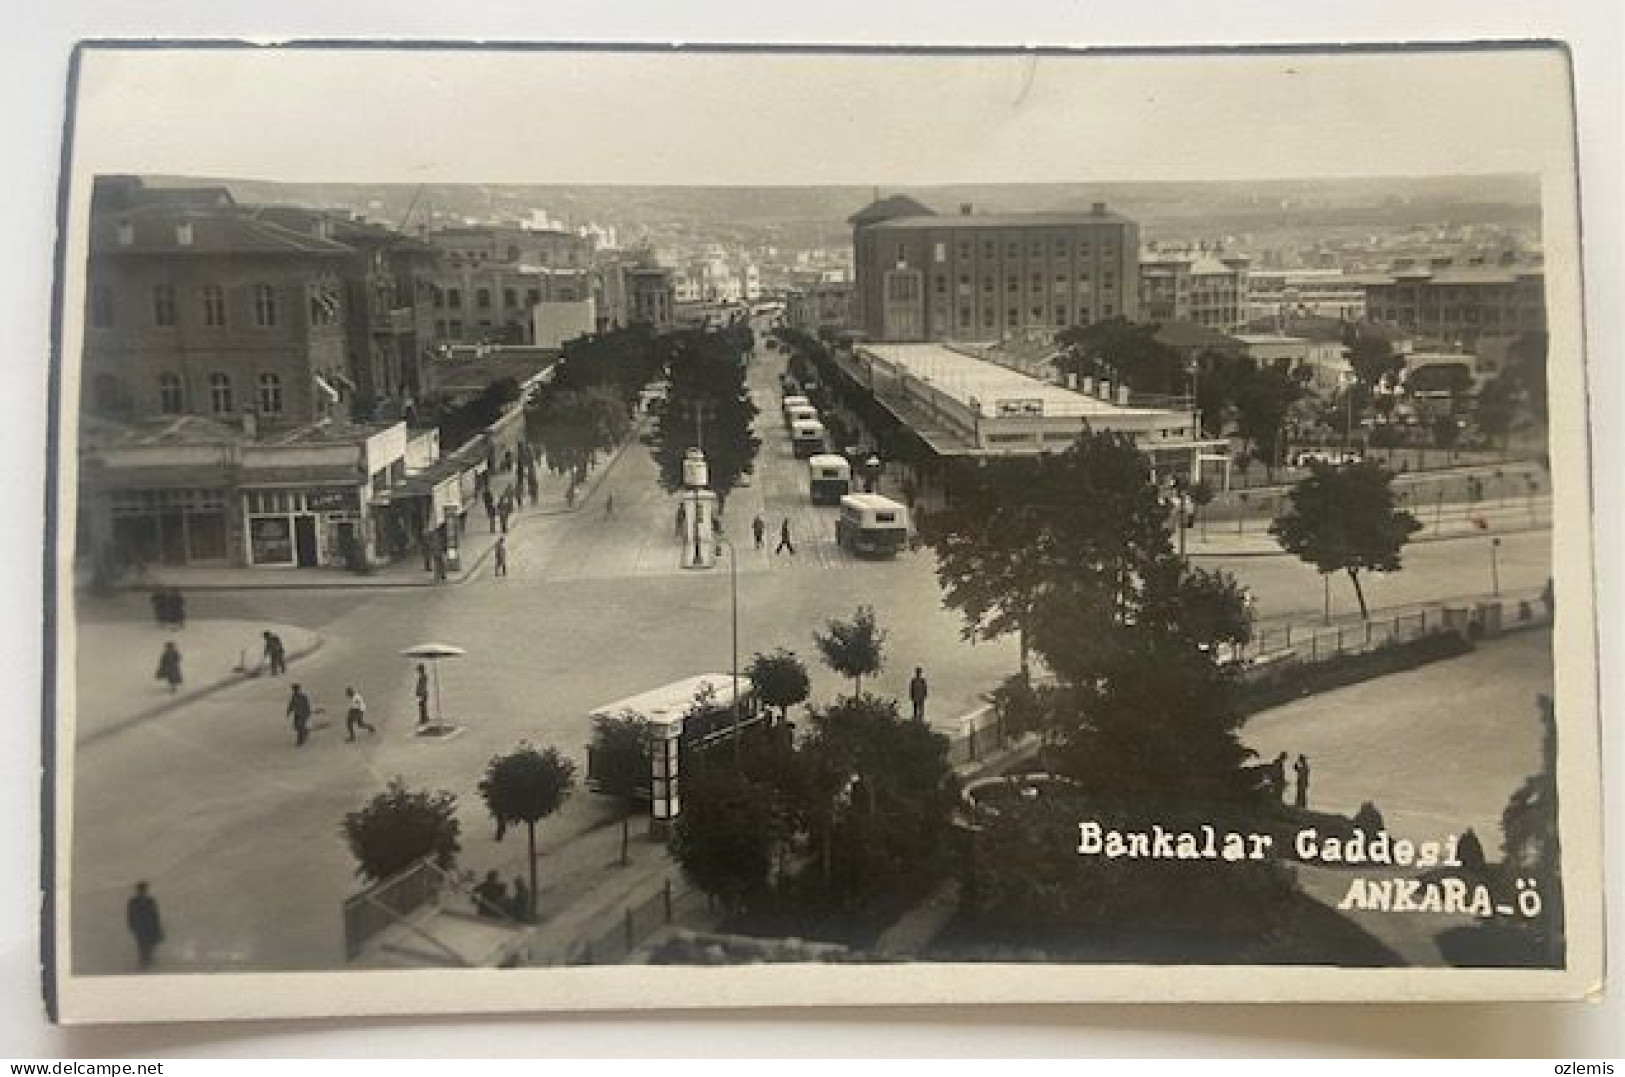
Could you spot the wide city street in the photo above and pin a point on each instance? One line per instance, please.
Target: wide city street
(239, 831)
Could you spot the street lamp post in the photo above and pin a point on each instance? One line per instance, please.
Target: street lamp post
(733, 595)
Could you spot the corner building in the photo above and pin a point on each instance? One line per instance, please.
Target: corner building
(924, 276)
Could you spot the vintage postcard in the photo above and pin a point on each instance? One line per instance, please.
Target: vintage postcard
(544, 528)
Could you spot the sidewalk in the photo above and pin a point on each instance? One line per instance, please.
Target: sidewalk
(1223, 539)
(124, 654)
(408, 571)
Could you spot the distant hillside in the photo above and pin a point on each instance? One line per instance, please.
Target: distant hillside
(812, 215)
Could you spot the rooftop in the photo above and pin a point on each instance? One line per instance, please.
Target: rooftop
(198, 431)
(982, 385)
(1002, 220)
(154, 229)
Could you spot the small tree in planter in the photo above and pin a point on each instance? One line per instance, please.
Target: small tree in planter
(401, 826)
(854, 648)
(780, 680)
(526, 786)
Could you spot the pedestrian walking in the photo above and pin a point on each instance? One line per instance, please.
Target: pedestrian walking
(570, 496)
(682, 518)
(439, 565)
(355, 717)
(299, 710)
(1301, 769)
(276, 655)
(501, 555)
(609, 505)
(917, 691)
(758, 529)
(177, 607)
(422, 692)
(426, 546)
(141, 914)
(490, 508)
(169, 666)
(504, 511)
(532, 485)
(784, 539)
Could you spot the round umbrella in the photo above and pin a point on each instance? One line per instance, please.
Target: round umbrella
(434, 652)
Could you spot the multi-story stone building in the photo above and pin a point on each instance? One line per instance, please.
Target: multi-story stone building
(1194, 284)
(921, 276)
(1457, 304)
(221, 342)
(208, 309)
(490, 280)
(821, 305)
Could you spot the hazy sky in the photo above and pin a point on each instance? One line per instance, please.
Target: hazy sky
(754, 118)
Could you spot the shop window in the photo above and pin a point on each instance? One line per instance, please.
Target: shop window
(171, 394)
(220, 401)
(270, 394)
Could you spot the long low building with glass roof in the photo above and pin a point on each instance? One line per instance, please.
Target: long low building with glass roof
(963, 405)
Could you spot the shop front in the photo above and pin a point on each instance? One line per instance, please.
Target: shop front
(303, 527)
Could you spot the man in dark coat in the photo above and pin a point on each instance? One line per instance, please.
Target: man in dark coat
(1301, 769)
(141, 914)
(299, 710)
(169, 666)
(422, 692)
(917, 691)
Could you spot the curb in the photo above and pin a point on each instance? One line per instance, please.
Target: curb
(1456, 537)
(235, 678)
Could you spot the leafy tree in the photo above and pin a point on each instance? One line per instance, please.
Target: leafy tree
(1526, 363)
(1123, 351)
(526, 786)
(780, 680)
(853, 648)
(401, 826)
(1016, 527)
(707, 406)
(723, 839)
(575, 425)
(1529, 838)
(1263, 400)
(459, 422)
(1344, 518)
(1494, 410)
(878, 799)
(1372, 358)
(623, 748)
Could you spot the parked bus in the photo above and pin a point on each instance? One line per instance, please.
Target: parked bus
(807, 438)
(829, 478)
(794, 400)
(801, 413)
(871, 525)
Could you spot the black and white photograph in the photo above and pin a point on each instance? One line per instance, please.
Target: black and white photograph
(547, 528)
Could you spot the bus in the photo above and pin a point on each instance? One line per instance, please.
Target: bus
(871, 525)
(800, 413)
(807, 438)
(829, 478)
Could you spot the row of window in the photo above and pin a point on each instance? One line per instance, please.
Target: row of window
(111, 395)
(1059, 248)
(326, 307)
(453, 298)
